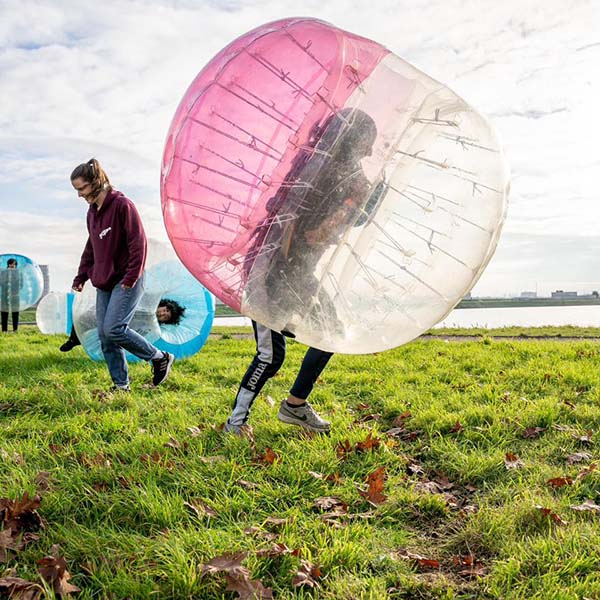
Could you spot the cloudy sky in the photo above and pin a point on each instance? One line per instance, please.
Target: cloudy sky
(83, 79)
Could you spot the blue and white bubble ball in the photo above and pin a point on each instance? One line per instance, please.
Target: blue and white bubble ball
(22, 287)
(166, 278)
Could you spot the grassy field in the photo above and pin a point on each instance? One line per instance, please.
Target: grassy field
(454, 470)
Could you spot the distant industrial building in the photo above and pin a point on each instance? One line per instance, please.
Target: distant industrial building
(528, 295)
(45, 269)
(560, 294)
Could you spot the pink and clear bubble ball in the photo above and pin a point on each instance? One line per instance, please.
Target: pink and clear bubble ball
(321, 185)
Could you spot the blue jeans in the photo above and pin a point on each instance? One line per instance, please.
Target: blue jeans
(114, 311)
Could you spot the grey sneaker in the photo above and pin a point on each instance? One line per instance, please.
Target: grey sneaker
(304, 416)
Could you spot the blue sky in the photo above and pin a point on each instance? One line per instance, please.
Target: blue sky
(79, 81)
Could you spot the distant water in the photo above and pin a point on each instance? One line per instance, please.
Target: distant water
(533, 316)
(527, 316)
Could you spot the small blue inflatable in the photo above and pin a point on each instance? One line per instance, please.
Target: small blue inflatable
(21, 282)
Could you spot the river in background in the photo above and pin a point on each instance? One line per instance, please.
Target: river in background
(534, 316)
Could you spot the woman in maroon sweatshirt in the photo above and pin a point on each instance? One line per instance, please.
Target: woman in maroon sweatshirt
(113, 260)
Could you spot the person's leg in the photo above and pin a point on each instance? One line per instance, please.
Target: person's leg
(270, 354)
(121, 308)
(15, 320)
(312, 366)
(296, 410)
(114, 355)
(4, 320)
(71, 342)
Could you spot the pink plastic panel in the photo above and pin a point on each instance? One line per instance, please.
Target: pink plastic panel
(237, 130)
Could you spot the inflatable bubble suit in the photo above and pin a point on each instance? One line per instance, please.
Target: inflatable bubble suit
(54, 313)
(165, 278)
(22, 287)
(323, 186)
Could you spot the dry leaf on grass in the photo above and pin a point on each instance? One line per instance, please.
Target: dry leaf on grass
(577, 457)
(547, 512)
(307, 575)
(19, 589)
(53, 569)
(588, 505)
(375, 485)
(512, 461)
(558, 482)
(423, 561)
(200, 509)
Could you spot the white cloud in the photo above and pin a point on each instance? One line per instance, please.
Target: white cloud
(81, 81)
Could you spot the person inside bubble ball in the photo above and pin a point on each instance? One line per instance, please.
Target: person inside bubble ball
(10, 286)
(113, 260)
(325, 193)
(169, 312)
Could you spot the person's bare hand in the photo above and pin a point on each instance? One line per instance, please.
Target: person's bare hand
(126, 287)
(78, 287)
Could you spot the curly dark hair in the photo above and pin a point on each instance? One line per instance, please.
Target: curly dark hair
(176, 310)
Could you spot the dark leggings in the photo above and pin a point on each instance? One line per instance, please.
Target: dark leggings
(15, 321)
(270, 354)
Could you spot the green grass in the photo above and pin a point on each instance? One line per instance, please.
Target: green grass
(116, 491)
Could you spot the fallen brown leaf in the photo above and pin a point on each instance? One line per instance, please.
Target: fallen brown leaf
(230, 562)
(53, 570)
(588, 505)
(269, 457)
(277, 550)
(558, 482)
(276, 521)
(587, 471)
(370, 443)
(375, 484)
(343, 449)
(547, 512)
(456, 428)
(512, 461)
(20, 589)
(578, 457)
(399, 419)
(260, 533)
(200, 509)
(423, 561)
(532, 432)
(194, 430)
(21, 515)
(586, 438)
(42, 481)
(331, 502)
(306, 575)
(247, 589)
(249, 485)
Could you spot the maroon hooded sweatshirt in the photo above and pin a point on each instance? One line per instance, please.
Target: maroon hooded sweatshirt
(116, 246)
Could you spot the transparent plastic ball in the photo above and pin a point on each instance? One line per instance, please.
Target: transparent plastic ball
(165, 279)
(321, 185)
(54, 313)
(20, 287)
